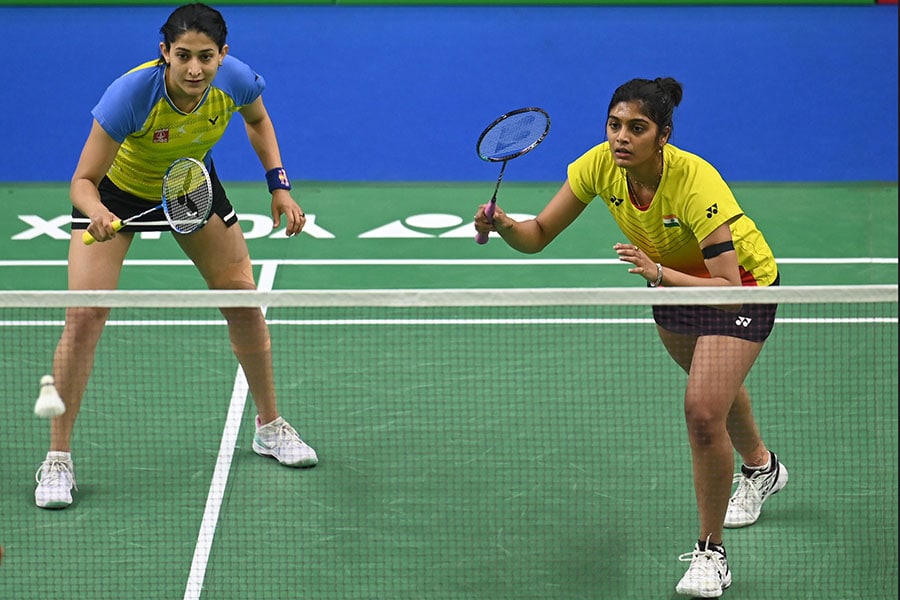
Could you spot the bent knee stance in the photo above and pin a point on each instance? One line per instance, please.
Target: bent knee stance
(235, 276)
(247, 327)
(247, 330)
(85, 324)
(705, 427)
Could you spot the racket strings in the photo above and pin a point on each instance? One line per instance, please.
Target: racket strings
(513, 135)
(188, 196)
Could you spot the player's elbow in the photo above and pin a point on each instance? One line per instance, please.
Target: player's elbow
(527, 237)
(530, 246)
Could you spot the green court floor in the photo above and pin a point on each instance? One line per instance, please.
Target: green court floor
(564, 475)
(407, 235)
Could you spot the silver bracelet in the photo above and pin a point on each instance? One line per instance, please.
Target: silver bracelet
(658, 276)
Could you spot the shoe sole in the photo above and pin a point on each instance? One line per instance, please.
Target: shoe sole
(779, 485)
(709, 595)
(303, 464)
(714, 594)
(54, 505)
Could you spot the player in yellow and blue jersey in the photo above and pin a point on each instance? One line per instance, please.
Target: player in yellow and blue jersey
(174, 107)
(684, 228)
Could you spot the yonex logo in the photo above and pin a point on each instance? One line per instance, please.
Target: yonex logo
(712, 210)
(616, 201)
(518, 136)
(743, 321)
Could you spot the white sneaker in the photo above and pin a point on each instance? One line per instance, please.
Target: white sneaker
(753, 488)
(280, 441)
(56, 480)
(708, 576)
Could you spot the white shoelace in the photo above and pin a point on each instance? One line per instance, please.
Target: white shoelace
(55, 471)
(286, 433)
(711, 562)
(749, 489)
(695, 554)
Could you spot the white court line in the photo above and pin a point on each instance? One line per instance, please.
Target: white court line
(217, 486)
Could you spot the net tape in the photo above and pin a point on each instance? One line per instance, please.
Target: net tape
(858, 294)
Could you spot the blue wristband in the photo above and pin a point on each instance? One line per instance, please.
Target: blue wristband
(277, 179)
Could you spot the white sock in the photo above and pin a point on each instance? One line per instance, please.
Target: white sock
(764, 467)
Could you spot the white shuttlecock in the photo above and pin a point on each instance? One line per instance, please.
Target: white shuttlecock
(49, 404)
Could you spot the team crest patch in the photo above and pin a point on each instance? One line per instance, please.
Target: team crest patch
(161, 136)
(671, 221)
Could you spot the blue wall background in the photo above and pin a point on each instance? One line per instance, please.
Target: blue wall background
(401, 93)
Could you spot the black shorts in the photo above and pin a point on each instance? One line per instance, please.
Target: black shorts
(751, 322)
(125, 205)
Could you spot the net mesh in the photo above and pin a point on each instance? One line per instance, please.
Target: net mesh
(473, 444)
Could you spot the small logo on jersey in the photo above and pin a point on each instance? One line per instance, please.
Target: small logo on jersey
(670, 221)
(743, 321)
(161, 136)
(213, 121)
(616, 201)
(712, 210)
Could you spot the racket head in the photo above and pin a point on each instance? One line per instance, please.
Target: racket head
(187, 196)
(513, 134)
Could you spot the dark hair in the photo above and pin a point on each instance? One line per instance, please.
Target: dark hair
(657, 97)
(195, 17)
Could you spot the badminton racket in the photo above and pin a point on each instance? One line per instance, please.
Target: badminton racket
(508, 137)
(186, 198)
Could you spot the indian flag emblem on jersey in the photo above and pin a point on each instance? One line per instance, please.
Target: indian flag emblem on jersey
(671, 221)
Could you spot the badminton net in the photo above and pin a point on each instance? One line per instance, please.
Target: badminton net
(473, 444)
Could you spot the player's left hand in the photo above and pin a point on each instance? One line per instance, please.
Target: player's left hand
(284, 204)
(642, 264)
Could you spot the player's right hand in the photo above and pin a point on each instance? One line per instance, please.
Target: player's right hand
(485, 225)
(101, 225)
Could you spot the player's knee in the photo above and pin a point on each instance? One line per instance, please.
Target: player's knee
(252, 345)
(238, 276)
(248, 330)
(704, 425)
(83, 328)
(86, 320)
(247, 326)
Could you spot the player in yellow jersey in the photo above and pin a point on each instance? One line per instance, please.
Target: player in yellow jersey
(177, 106)
(684, 228)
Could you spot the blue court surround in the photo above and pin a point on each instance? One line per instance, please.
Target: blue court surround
(790, 93)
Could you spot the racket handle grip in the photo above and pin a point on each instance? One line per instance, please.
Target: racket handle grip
(482, 237)
(88, 239)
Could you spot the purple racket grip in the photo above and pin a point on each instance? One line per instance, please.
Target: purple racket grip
(480, 237)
